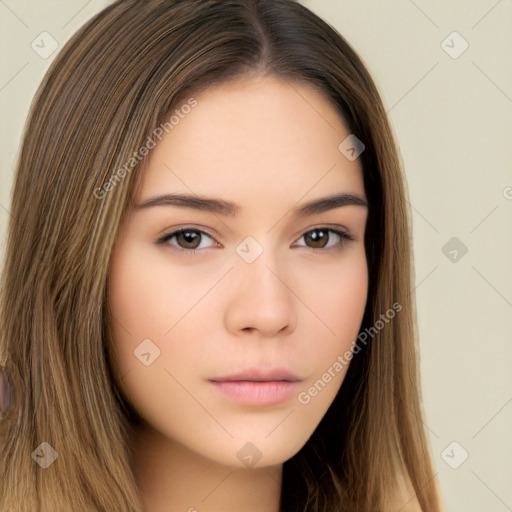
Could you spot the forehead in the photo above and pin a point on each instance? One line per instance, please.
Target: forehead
(262, 136)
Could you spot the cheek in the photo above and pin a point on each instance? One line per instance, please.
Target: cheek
(151, 299)
(140, 311)
(337, 297)
(148, 295)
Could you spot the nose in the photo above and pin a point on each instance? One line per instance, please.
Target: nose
(261, 298)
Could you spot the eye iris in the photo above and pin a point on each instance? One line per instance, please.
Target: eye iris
(317, 239)
(189, 237)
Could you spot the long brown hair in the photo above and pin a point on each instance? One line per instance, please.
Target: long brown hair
(117, 79)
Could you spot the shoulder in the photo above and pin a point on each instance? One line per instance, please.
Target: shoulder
(405, 499)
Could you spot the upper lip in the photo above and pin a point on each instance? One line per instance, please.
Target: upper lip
(259, 375)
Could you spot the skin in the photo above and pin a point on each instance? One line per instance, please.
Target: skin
(269, 146)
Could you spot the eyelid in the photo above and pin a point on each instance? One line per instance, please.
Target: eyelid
(337, 228)
(163, 239)
(341, 231)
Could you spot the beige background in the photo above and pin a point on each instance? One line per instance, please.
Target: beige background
(453, 120)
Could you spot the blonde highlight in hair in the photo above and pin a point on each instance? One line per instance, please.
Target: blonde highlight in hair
(103, 96)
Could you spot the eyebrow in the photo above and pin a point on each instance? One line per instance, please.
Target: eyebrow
(222, 207)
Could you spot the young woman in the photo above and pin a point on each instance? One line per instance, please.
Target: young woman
(206, 299)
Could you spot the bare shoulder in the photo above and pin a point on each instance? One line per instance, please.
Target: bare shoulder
(405, 500)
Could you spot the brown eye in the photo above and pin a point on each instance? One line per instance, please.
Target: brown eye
(325, 238)
(186, 239)
(318, 238)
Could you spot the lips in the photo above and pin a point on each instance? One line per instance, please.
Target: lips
(259, 375)
(257, 387)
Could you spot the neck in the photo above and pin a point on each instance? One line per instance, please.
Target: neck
(170, 476)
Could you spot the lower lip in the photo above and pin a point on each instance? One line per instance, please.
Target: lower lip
(258, 393)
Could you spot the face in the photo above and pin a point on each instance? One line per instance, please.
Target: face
(233, 318)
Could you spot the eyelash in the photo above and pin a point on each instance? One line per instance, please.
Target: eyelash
(344, 236)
